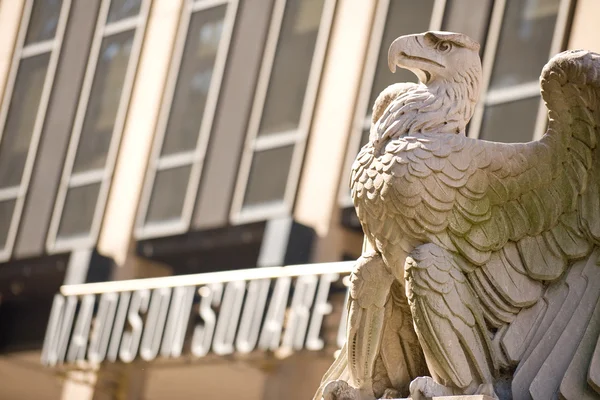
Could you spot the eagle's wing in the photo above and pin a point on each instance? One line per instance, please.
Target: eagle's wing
(520, 210)
(400, 350)
(521, 214)
(525, 210)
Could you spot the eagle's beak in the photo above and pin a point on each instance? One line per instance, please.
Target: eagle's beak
(400, 46)
(394, 51)
(391, 65)
(414, 54)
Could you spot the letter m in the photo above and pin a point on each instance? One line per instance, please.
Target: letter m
(58, 330)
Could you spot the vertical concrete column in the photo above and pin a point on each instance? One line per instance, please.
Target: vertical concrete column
(10, 21)
(298, 376)
(116, 234)
(585, 30)
(119, 218)
(317, 199)
(79, 384)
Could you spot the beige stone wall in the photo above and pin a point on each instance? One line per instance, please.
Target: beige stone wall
(136, 143)
(585, 32)
(326, 152)
(317, 204)
(10, 18)
(23, 377)
(115, 238)
(294, 378)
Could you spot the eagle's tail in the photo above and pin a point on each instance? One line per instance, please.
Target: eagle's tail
(570, 84)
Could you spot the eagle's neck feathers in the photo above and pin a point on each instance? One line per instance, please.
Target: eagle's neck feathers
(438, 107)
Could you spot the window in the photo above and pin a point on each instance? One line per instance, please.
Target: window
(393, 18)
(186, 118)
(517, 39)
(521, 38)
(471, 17)
(24, 107)
(98, 124)
(282, 109)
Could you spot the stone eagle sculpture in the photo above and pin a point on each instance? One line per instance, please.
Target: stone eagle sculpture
(479, 273)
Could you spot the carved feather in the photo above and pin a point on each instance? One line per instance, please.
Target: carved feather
(511, 217)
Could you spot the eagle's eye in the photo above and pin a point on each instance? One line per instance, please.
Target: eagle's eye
(443, 46)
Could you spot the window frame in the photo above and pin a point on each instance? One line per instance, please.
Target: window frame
(362, 112)
(102, 176)
(22, 51)
(194, 157)
(296, 137)
(521, 91)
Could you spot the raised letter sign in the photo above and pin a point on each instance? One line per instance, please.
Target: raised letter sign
(271, 332)
(254, 309)
(117, 333)
(131, 340)
(155, 323)
(211, 295)
(321, 308)
(79, 340)
(304, 294)
(229, 317)
(179, 316)
(102, 327)
(59, 330)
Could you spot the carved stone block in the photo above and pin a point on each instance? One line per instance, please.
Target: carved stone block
(480, 271)
(464, 397)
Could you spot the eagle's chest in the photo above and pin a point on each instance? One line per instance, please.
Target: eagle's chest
(382, 181)
(367, 176)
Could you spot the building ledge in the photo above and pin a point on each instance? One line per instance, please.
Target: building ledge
(266, 243)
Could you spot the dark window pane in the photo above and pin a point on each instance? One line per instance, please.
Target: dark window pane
(78, 211)
(470, 17)
(104, 102)
(193, 82)
(168, 194)
(6, 212)
(121, 9)
(524, 44)
(512, 122)
(364, 137)
(18, 130)
(268, 176)
(43, 21)
(404, 17)
(291, 67)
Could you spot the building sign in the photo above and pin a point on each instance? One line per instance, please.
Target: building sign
(263, 309)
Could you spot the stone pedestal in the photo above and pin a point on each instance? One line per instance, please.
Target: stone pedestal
(471, 397)
(460, 397)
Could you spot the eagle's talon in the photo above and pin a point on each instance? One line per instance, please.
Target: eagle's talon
(341, 390)
(391, 393)
(424, 388)
(487, 389)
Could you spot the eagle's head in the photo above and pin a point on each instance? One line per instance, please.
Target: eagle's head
(437, 56)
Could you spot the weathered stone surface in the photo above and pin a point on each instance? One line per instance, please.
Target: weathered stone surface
(480, 272)
(465, 397)
(462, 397)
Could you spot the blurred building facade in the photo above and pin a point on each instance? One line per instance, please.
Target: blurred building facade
(151, 138)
